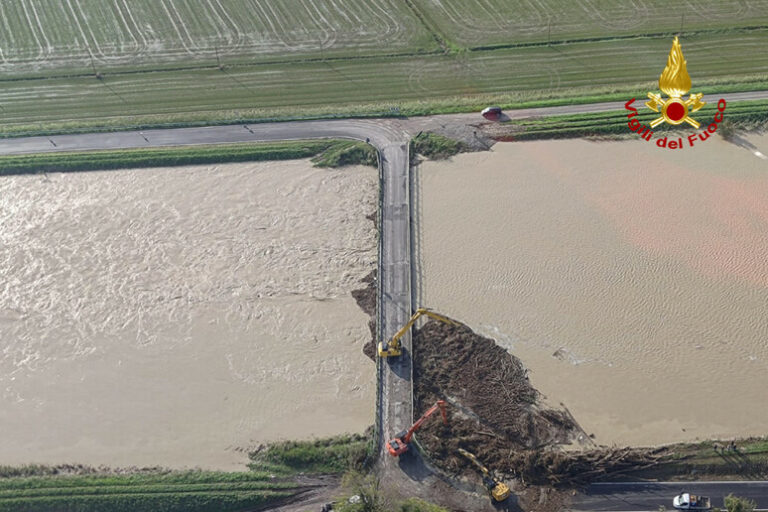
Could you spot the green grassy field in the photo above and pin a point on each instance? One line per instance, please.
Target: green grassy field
(83, 489)
(159, 60)
(329, 455)
(192, 491)
(489, 23)
(324, 153)
(40, 35)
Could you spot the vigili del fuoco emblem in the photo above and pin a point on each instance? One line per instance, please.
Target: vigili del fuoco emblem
(675, 82)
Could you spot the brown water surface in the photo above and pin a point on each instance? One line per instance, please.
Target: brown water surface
(631, 280)
(173, 316)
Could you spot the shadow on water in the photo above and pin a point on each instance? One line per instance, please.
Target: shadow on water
(742, 142)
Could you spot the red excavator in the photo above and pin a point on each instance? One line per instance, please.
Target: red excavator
(399, 445)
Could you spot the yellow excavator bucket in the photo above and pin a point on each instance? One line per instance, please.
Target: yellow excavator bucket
(393, 347)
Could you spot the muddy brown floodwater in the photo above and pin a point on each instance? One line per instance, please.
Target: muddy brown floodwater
(631, 280)
(172, 316)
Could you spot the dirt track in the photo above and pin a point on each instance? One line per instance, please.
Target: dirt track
(315, 491)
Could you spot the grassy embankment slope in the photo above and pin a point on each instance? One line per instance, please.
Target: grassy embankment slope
(142, 64)
(324, 153)
(711, 460)
(435, 146)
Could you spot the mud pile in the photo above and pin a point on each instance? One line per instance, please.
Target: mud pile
(495, 413)
(580, 468)
(366, 300)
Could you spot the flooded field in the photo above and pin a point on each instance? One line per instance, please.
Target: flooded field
(631, 280)
(175, 316)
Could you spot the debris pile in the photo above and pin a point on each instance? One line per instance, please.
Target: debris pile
(366, 300)
(498, 415)
(580, 468)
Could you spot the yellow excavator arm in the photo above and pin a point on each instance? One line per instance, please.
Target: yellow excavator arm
(393, 347)
(471, 457)
(498, 489)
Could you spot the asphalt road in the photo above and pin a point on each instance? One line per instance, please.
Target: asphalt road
(649, 496)
(387, 131)
(381, 135)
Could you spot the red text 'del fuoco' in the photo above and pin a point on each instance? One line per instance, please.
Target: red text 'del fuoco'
(645, 132)
(674, 109)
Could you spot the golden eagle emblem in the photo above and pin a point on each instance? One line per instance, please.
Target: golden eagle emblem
(675, 82)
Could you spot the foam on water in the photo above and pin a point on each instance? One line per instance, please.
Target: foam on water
(146, 314)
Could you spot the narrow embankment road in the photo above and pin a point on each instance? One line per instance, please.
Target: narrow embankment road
(649, 496)
(389, 130)
(381, 135)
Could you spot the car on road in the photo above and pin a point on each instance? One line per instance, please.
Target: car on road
(688, 501)
(492, 113)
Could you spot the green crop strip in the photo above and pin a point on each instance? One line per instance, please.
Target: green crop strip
(191, 491)
(328, 153)
(330, 455)
(746, 115)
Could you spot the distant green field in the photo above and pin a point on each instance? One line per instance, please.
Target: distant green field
(158, 60)
(476, 23)
(39, 35)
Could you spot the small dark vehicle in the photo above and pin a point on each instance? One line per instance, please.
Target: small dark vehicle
(492, 113)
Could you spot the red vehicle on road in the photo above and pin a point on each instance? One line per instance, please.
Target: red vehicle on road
(492, 113)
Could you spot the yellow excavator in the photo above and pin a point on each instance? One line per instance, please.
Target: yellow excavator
(393, 348)
(498, 489)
